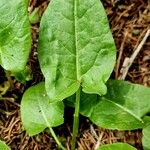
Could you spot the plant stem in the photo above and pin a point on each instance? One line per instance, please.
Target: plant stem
(56, 139)
(76, 120)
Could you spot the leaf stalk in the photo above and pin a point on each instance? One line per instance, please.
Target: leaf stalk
(56, 139)
(76, 119)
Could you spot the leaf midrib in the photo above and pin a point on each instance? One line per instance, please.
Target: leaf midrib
(126, 110)
(44, 116)
(76, 45)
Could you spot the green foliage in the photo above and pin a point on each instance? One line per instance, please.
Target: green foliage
(76, 51)
(117, 146)
(75, 48)
(3, 146)
(37, 112)
(15, 35)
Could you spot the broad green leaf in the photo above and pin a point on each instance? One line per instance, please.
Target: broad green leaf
(3, 146)
(37, 112)
(75, 48)
(121, 108)
(146, 135)
(117, 146)
(15, 34)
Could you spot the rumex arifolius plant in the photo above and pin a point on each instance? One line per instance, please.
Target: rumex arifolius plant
(77, 55)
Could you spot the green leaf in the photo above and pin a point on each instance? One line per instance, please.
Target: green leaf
(117, 146)
(75, 48)
(121, 108)
(3, 146)
(37, 112)
(15, 34)
(146, 134)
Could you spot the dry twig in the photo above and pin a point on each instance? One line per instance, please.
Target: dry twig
(129, 61)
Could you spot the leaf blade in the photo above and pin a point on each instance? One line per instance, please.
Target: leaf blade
(15, 35)
(127, 109)
(35, 103)
(75, 57)
(111, 116)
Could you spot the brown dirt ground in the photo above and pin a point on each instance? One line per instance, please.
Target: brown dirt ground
(129, 21)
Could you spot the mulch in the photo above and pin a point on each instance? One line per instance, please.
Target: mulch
(129, 21)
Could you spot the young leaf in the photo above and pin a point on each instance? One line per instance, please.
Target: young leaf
(117, 146)
(37, 112)
(75, 48)
(146, 134)
(3, 146)
(15, 34)
(121, 108)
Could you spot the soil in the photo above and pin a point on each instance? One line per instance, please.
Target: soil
(129, 21)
